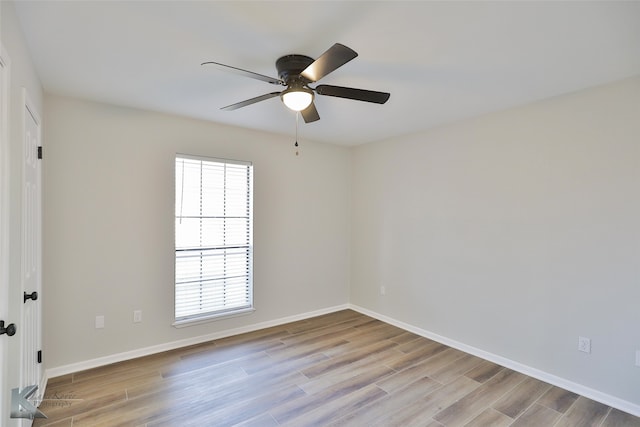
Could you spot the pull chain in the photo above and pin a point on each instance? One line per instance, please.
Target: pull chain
(296, 144)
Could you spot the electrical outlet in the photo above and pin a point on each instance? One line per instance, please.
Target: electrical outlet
(584, 344)
(383, 290)
(137, 316)
(99, 322)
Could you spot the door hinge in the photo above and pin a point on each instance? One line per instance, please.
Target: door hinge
(39, 356)
(40, 152)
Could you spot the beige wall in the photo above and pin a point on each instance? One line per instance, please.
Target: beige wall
(108, 226)
(513, 233)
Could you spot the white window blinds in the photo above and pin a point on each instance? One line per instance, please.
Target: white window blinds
(213, 232)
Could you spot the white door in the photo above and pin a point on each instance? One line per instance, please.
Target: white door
(4, 231)
(31, 369)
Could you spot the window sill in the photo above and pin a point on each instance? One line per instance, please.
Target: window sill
(212, 318)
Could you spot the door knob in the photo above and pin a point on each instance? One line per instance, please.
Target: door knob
(9, 330)
(33, 295)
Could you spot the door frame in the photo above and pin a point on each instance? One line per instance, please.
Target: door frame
(5, 70)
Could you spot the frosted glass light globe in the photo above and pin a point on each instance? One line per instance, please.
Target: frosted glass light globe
(297, 99)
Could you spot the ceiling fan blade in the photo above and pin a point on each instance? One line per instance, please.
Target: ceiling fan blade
(351, 93)
(250, 101)
(246, 73)
(335, 57)
(310, 114)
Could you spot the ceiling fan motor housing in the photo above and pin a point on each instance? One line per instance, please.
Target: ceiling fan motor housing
(290, 66)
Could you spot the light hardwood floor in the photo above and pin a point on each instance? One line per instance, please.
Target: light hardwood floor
(340, 369)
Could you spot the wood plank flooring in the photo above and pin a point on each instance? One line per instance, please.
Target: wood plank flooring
(340, 369)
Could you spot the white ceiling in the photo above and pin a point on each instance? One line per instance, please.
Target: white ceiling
(441, 61)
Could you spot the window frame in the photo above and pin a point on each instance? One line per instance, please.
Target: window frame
(221, 313)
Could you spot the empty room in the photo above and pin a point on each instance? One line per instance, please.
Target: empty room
(319, 213)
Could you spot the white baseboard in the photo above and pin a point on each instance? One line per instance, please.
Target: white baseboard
(580, 389)
(128, 355)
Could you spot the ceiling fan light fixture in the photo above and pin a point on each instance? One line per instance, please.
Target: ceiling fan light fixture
(297, 98)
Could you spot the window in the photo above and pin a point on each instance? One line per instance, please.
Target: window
(214, 242)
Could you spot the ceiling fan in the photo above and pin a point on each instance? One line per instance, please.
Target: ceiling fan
(296, 72)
